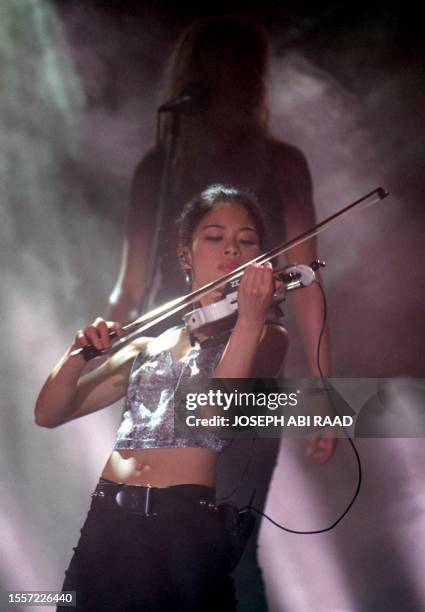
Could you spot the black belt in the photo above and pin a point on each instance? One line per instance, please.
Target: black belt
(150, 501)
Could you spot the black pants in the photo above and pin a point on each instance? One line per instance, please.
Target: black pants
(127, 562)
(249, 584)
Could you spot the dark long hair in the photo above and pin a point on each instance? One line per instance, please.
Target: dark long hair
(213, 197)
(228, 56)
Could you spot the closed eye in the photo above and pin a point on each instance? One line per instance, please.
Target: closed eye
(243, 241)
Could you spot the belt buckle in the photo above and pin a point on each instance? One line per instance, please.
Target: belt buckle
(129, 499)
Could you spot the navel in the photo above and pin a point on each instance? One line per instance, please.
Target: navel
(143, 468)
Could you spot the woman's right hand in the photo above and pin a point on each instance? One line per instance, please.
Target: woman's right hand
(69, 393)
(99, 334)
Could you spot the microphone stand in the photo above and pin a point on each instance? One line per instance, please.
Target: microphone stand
(163, 200)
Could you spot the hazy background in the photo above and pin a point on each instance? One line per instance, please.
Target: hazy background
(79, 90)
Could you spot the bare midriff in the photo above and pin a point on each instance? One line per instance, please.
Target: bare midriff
(162, 467)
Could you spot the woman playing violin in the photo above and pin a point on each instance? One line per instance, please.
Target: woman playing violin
(152, 539)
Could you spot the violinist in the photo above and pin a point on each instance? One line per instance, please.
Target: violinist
(153, 539)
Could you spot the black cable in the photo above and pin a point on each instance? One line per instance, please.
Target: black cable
(359, 465)
(158, 130)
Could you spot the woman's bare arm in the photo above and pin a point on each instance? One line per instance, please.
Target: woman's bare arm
(295, 186)
(251, 339)
(125, 299)
(68, 393)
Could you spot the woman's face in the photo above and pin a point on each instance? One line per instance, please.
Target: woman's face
(225, 238)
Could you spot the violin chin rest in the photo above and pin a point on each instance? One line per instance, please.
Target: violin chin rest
(212, 313)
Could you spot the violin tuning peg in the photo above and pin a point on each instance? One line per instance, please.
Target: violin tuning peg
(316, 264)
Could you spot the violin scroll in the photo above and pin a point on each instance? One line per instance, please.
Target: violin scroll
(297, 276)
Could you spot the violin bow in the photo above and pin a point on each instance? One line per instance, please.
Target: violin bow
(155, 316)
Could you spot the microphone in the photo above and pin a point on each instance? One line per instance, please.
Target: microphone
(192, 100)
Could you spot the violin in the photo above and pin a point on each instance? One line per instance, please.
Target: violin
(293, 277)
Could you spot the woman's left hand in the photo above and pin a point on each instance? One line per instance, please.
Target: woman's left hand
(320, 446)
(255, 293)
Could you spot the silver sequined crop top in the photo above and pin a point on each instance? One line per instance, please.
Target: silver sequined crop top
(148, 416)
